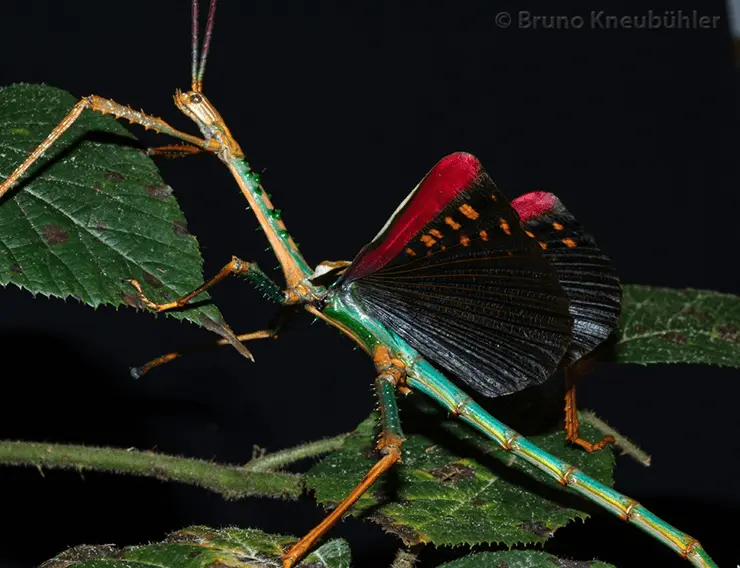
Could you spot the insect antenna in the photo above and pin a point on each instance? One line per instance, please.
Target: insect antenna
(194, 45)
(198, 69)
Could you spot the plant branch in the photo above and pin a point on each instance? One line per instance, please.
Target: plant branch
(626, 445)
(233, 482)
(285, 457)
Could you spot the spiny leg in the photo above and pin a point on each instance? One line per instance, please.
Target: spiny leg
(236, 266)
(104, 106)
(257, 278)
(389, 443)
(173, 151)
(572, 425)
(108, 106)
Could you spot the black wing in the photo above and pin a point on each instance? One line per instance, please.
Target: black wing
(470, 290)
(584, 272)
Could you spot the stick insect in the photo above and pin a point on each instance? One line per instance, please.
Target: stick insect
(333, 292)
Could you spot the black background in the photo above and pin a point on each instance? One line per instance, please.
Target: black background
(345, 107)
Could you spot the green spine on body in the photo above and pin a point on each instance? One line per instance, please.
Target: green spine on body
(264, 283)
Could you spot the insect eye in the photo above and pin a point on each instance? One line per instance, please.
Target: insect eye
(196, 98)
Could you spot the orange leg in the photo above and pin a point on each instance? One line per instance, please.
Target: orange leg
(236, 266)
(104, 106)
(307, 542)
(174, 150)
(389, 444)
(138, 372)
(572, 375)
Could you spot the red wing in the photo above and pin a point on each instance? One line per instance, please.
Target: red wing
(446, 181)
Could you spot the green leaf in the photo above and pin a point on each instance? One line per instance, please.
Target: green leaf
(455, 486)
(663, 325)
(93, 211)
(520, 559)
(202, 547)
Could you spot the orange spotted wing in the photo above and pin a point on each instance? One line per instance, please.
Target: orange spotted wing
(454, 274)
(584, 272)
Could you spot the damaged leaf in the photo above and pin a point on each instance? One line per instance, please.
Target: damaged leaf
(203, 547)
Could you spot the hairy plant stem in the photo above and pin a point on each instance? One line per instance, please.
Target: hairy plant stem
(627, 446)
(233, 482)
(285, 457)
